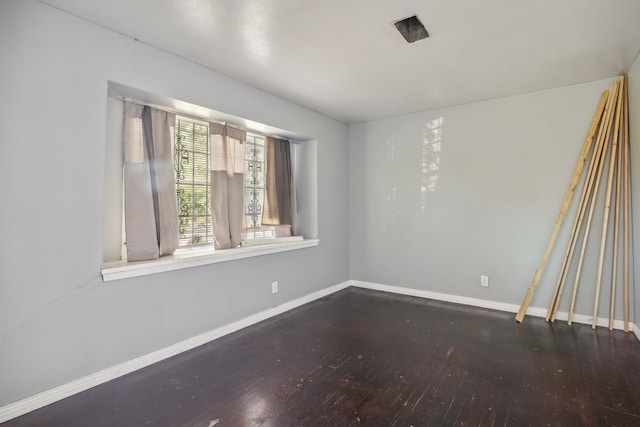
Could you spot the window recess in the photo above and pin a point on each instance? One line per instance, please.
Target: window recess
(191, 175)
(230, 185)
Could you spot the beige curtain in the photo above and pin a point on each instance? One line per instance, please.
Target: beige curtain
(227, 185)
(280, 201)
(151, 214)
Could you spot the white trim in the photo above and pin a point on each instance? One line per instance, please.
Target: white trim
(47, 397)
(494, 305)
(195, 258)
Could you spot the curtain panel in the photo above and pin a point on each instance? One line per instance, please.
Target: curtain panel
(151, 214)
(227, 185)
(280, 201)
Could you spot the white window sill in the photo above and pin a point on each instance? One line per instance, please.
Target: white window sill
(193, 258)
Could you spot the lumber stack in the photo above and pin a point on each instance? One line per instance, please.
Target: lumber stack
(606, 154)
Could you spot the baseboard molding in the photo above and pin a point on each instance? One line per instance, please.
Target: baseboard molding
(47, 397)
(494, 305)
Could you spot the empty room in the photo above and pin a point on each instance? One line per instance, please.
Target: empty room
(331, 213)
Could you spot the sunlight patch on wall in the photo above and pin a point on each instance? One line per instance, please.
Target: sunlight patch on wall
(431, 148)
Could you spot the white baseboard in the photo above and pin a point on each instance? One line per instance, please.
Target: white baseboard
(494, 305)
(47, 397)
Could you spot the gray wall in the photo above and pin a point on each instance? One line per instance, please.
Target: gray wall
(58, 320)
(483, 203)
(634, 129)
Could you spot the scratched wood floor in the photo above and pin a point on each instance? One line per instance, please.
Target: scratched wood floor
(361, 357)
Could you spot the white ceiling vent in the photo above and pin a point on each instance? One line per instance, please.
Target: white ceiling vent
(411, 29)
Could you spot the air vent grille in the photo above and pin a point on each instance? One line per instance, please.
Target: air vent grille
(411, 29)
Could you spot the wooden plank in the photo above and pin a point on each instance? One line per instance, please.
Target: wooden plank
(603, 135)
(625, 267)
(557, 294)
(558, 224)
(607, 201)
(616, 226)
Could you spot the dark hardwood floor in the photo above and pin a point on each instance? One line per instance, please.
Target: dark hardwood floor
(361, 357)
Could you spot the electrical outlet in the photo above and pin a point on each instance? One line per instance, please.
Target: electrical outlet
(274, 287)
(484, 281)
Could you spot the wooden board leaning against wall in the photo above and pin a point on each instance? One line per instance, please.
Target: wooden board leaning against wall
(607, 139)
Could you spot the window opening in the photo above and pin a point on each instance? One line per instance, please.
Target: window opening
(192, 157)
(255, 188)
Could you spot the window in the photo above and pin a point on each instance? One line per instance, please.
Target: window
(192, 155)
(191, 142)
(193, 179)
(254, 180)
(255, 188)
(189, 182)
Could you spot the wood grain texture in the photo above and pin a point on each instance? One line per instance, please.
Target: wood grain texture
(361, 357)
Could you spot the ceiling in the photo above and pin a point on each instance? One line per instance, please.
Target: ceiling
(345, 58)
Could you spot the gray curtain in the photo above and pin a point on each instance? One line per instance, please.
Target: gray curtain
(279, 203)
(151, 214)
(227, 185)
